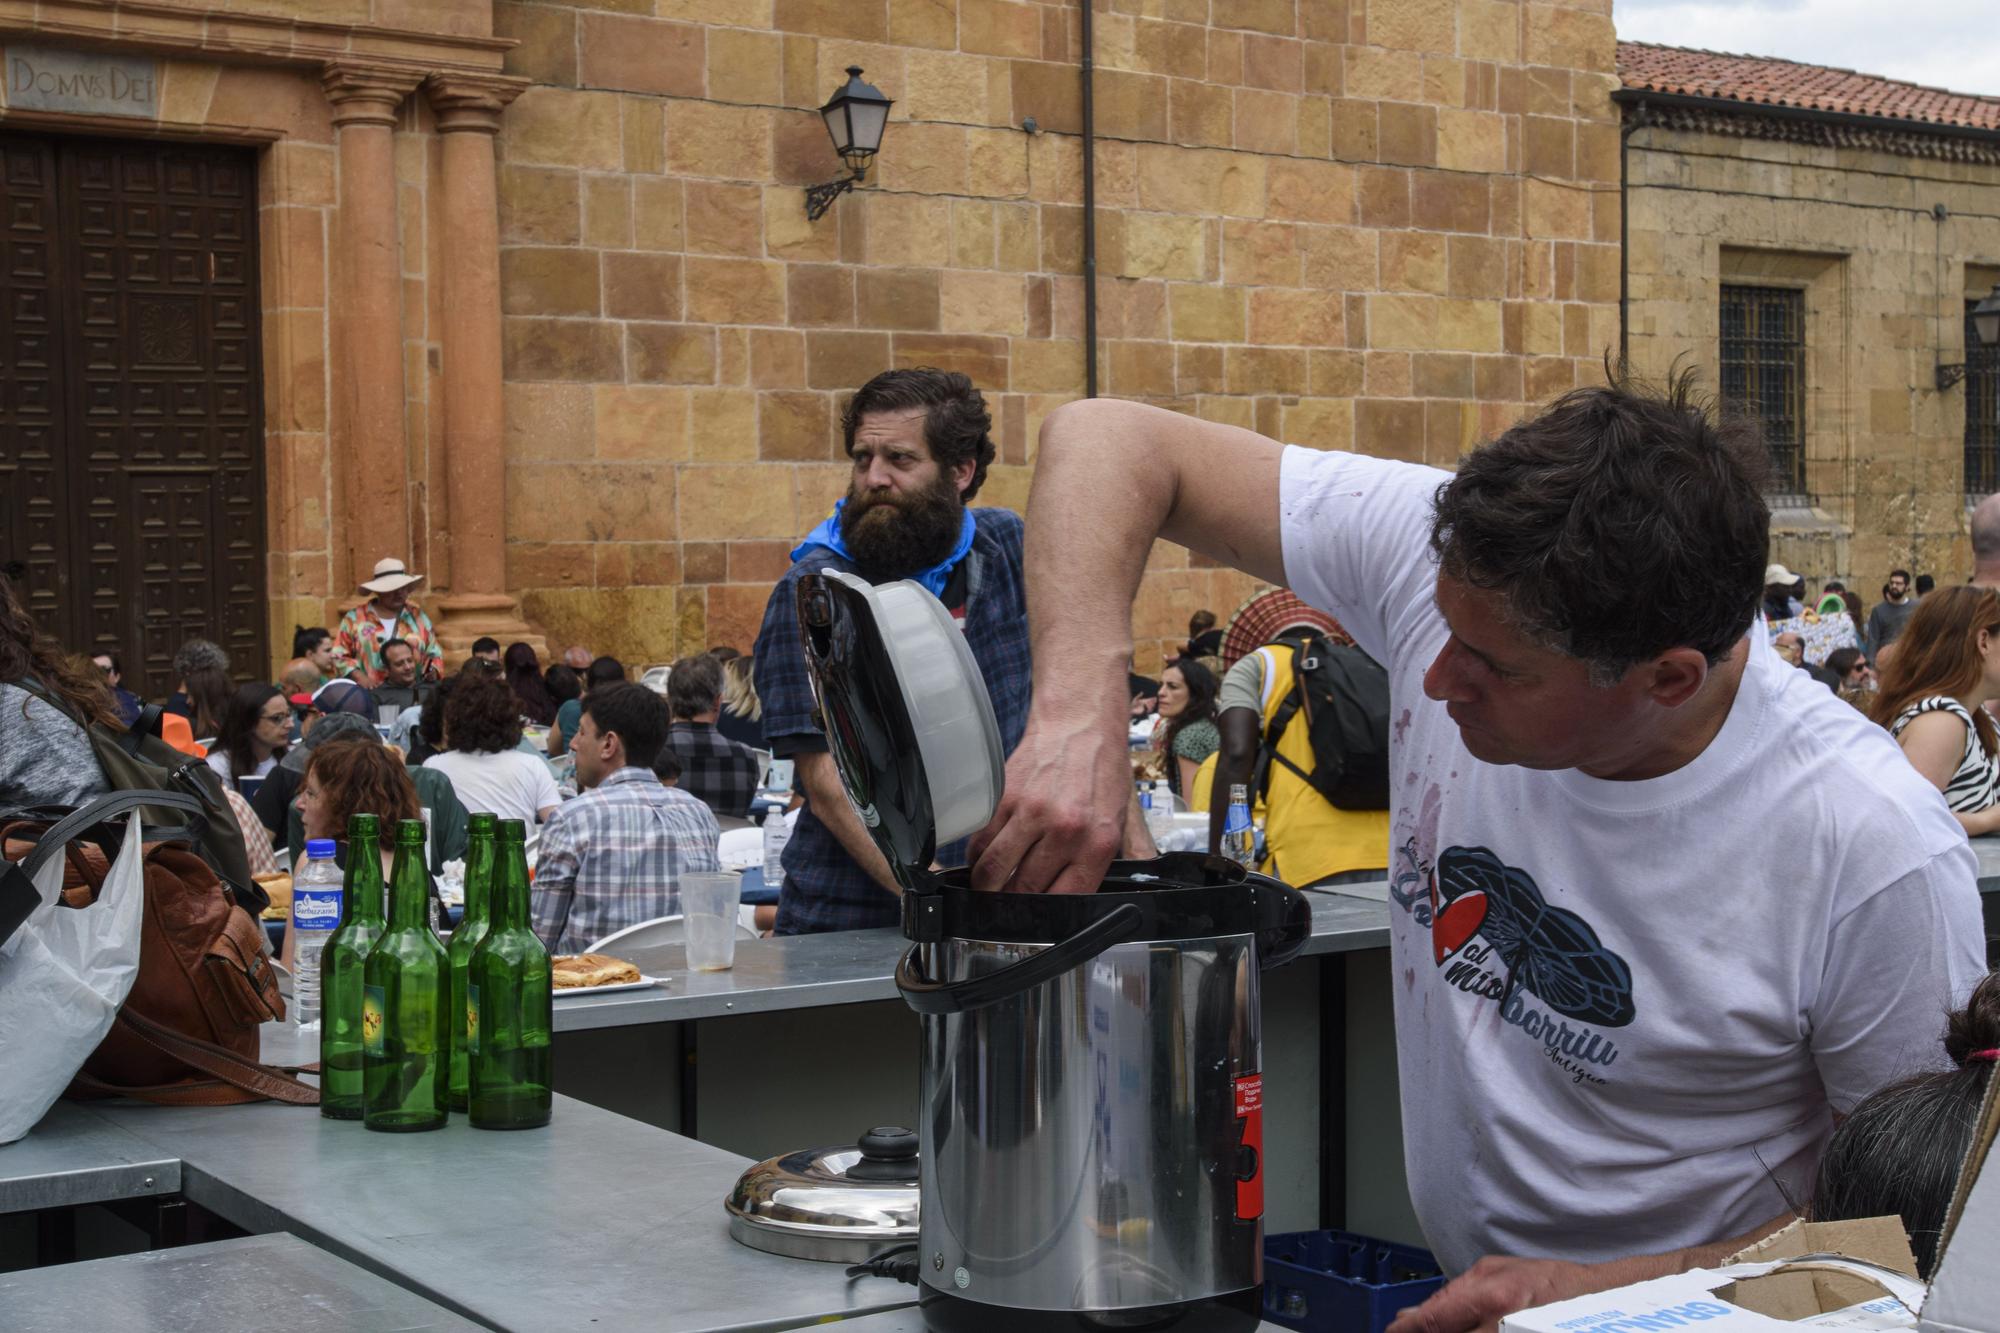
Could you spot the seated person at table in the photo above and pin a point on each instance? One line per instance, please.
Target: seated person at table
(356, 774)
(256, 728)
(275, 808)
(482, 733)
(1935, 686)
(601, 672)
(45, 757)
(720, 771)
(613, 857)
(400, 687)
(1899, 1150)
(127, 703)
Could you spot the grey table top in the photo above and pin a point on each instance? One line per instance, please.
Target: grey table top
(255, 1282)
(594, 1222)
(911, 1321)
(1988, 851)
(69, 1160)
(849, 967)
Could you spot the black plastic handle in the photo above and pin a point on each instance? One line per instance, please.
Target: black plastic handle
(1284, 921)
(956, 997)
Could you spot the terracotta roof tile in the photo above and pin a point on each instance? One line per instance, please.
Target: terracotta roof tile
(1760, 80)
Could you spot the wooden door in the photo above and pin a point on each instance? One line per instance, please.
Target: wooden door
(157, 494)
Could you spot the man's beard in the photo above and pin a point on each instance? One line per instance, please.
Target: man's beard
(894, 536)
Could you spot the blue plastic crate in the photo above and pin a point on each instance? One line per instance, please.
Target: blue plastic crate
(1338, 1282)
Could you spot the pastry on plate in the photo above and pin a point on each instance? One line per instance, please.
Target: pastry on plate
(591, 969)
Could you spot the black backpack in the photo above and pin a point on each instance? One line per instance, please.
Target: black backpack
(1344, 694)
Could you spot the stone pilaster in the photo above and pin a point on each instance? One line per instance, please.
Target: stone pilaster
(365, 307)
(468, 111)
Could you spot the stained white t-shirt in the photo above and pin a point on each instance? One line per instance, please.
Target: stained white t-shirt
(512, 784)
(1625, 1011)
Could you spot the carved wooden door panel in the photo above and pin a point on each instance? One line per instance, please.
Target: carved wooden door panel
(34, 490)
(159, 402)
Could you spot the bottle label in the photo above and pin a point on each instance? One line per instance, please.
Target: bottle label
(471, 1019)
(371, 1019)
(315, 909)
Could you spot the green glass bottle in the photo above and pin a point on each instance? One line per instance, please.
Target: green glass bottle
(481, 830)
(341, 971)
(406, 1033)
(510, 1018)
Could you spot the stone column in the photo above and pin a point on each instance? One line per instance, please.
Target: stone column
(468, 115)
(366, 305)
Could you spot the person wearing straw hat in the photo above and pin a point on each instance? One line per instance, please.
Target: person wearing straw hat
(389, 614)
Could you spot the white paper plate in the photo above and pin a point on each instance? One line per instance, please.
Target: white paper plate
(571, 992)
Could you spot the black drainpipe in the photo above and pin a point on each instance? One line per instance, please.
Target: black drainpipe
(1630, 120)
(1089, 215)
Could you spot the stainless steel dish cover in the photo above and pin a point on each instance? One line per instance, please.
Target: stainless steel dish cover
(839, 1205)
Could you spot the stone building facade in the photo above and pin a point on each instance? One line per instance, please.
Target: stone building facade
(1874, 206)
(540, 309)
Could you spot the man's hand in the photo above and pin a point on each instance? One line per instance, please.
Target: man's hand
(1063, 818)
(1477, 1299)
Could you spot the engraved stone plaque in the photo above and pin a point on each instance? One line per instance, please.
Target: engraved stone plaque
(41, 78)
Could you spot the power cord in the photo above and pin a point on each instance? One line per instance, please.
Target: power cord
(898, 1262)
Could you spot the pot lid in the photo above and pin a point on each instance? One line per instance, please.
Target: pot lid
(840, 1205)
(905, 712)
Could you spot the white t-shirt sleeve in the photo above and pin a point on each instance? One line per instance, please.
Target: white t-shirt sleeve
(541, 784)
(1356, 534)
(1895, 967)
(219, 761)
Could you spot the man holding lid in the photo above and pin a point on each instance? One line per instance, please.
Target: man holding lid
(1625, 1024)
(389, 614)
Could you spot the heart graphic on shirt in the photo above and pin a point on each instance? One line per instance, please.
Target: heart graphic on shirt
(1456, 923)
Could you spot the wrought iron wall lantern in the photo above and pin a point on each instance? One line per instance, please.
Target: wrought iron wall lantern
(1985, 327)
(855, 117)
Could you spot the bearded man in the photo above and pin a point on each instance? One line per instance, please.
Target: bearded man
(920, 441)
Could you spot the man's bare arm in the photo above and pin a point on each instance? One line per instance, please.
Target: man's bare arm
(827, 799)
(1233, 764)
(1477, 1299)
(1110, 478)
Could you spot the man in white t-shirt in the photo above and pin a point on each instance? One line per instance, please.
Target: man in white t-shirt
(1646, 941)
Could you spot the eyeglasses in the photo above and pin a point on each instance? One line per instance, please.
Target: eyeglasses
(285, 716)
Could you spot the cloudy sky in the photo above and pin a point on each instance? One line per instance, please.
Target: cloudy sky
(1945, 43)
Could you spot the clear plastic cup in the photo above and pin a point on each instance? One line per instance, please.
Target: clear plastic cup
(709, 902)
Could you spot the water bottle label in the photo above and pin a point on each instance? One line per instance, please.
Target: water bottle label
(315, 909)
(371, 1019)
(471, 1019)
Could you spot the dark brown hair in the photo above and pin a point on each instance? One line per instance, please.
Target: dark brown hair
(1900, 1149)
(361, 776)
(957, 426)
(636, 715)
(1620, 523)
(27, 652)
(245, 712)
(524, 677)
(694, 685)
(482, 716)
(1938, 653)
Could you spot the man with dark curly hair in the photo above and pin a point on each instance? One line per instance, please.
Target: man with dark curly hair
(920, 441)
(1625, 1024)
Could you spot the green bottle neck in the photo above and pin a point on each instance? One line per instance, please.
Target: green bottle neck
(510, 889)
(409, 887)
(362, 891)
(481, 855)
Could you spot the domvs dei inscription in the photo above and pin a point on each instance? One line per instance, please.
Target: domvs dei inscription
(40, 78)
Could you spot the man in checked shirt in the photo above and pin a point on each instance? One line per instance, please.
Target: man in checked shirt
(613, 857)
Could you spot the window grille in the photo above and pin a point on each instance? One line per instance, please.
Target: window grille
(1764, 376)
(1982, 412)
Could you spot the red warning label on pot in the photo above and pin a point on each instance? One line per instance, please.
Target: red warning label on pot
(1250, 1147)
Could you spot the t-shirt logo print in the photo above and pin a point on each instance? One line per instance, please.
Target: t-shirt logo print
(1551, 952)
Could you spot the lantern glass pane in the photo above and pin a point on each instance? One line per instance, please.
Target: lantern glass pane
(1987, 324)
(869, 119)
(835, 115)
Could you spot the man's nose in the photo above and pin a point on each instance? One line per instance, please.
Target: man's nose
(1444, 682)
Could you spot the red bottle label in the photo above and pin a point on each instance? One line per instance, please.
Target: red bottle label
(1250, 1150)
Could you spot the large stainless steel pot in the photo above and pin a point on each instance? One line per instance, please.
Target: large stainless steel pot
(1091, 1118)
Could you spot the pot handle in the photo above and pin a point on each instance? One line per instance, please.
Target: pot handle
(956, 997)
(1284, 921)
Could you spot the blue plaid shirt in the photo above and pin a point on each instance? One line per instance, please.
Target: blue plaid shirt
(824, 888)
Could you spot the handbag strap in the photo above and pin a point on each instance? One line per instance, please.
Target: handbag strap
(216, 1061)
(104, 808)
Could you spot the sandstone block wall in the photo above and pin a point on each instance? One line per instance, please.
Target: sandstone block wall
(1885, 284)
(1386, 226)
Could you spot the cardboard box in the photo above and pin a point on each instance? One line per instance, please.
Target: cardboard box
(1855, 1276)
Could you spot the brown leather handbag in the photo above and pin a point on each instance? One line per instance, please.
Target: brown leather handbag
(188, 1032)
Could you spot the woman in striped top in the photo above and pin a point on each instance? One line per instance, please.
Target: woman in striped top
(1945, 669)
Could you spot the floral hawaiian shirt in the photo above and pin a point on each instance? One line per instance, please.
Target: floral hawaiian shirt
(361, 637)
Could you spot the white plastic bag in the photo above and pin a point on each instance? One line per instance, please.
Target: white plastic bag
(64, 974)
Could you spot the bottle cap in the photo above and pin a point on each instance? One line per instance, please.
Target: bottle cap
(320, 848)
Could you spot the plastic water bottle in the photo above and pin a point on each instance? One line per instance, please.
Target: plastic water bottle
(315, 913)
(776, 834)
(1239, 836)
(1159, 808)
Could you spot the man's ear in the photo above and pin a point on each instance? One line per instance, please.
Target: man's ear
(962, 474)
(1677, 675)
